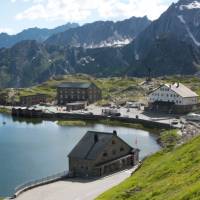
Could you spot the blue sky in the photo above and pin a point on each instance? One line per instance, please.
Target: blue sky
(16, 15)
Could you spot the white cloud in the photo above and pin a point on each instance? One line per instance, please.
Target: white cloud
(33, 1)
(81, 10)
(6, 30)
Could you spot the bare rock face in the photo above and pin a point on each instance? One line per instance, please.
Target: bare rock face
(171, 44)
(102, 33)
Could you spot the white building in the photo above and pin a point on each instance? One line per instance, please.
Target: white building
(173, 98)
(176, 93)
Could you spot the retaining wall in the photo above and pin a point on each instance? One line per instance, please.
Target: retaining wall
(62, 116)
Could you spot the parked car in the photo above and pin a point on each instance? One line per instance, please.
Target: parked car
(175, 122)
(111, 112)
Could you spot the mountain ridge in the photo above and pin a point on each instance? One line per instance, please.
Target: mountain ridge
(101, 33)
(167, 46)
(39, 34)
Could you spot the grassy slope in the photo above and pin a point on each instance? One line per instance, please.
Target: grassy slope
(112, 88)
(119, 89)
(170, 138)
(5, 110)
(166, 175)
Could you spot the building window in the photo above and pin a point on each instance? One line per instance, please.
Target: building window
(113, 152)
(122, 149)
(105, 154)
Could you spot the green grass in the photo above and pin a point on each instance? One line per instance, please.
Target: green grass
(172, 175)
(71, 123)
(107, 122)
(129, 125)
(5, 110)
(118, 89)
(169, 138)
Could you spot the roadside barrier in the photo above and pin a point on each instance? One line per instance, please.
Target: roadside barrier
(35, 183)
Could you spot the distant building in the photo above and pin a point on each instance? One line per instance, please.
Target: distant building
(98, 154)
(30, 100)
(80, 105)
(75, 91)
(173, 98)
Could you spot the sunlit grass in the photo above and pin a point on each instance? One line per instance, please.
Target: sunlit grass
(169, 175)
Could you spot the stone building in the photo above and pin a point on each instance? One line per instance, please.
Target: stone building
(3, 100)
(76, 92)
(98, 154)
(173, 98)
(35, 99)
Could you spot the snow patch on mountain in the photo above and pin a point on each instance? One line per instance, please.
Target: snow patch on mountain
(190, 6)
(137, 56)
(86, 60)
(182, 20)
(112, 43)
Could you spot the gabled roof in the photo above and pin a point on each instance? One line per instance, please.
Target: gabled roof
(83, 85)
(182, 90)
(179, 89)
(88, 149)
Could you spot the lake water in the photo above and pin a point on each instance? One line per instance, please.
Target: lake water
(33, 150)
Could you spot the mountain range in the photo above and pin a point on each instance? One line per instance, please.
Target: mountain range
(101, 33)
(37, 34)
(166, 46)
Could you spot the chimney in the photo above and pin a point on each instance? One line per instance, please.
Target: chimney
(96, 138)
(115, 132)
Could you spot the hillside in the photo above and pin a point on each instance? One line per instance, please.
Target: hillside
(170, 175)
(115, 89)
(31, 62)
(167, 46)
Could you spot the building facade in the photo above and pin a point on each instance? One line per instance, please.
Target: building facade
(76, 106)
(76, 92)
(174, 98)
(3, 100)
(30, 100)
(99, 154)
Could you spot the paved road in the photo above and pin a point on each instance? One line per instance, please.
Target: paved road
(75, 189)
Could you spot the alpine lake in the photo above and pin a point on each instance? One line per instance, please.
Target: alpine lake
(35, 149)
